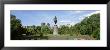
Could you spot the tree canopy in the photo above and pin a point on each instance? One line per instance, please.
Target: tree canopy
(90, 25)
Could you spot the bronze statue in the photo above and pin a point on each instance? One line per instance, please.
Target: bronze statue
(55, 19)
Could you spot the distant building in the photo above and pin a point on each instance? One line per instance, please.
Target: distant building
(48, 24)
(42, 24)
(29, 27)
(68, 25)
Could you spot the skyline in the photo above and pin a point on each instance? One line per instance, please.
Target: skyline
(36, 17)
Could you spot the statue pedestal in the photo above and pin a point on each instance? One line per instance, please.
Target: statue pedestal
(55, 30)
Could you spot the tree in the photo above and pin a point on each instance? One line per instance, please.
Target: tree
(15, 28)
(89, 26)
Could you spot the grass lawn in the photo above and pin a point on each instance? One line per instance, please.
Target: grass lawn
(68, 37)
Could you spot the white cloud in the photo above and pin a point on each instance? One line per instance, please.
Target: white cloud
(93, 13)
(87, 15)
(78, 11)
(81, 18)
(75, 12)
(73, 23)
(65, 21)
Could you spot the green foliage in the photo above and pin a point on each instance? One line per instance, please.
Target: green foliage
(89, 26)
(63, 30)
(15, 28)
(96, 33)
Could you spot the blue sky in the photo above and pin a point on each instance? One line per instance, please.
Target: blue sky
(36, 17)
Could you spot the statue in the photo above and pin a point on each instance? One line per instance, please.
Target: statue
(55, 27)
(55, 19)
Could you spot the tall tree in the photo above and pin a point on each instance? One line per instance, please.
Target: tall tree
(15, 27)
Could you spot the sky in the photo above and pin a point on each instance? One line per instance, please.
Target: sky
(64, 17)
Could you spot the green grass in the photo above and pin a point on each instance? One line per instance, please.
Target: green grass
(68, 37)
(61, 37)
